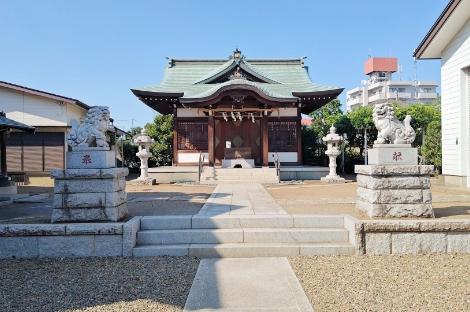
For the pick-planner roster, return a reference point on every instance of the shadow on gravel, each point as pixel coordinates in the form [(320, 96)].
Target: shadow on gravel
[(97, 284)]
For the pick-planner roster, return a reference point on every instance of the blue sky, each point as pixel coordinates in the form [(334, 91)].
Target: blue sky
[(95, 51)]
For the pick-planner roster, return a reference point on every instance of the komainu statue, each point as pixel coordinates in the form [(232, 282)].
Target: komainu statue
[(93, 129), (390, 127)]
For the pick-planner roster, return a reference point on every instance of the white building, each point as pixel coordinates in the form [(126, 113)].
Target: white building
[(380, 86), (449, 40), (36, 154)]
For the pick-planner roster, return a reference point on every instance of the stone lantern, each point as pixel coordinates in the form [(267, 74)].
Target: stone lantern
[(144, 141), (333, 141)]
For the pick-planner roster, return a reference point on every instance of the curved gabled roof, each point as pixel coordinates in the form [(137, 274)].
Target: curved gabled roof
[(190, 81)]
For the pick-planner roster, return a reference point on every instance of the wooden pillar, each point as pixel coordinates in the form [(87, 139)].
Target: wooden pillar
[(210, 139), (3, 153), (299, 135), (175, 136), (264, 140)]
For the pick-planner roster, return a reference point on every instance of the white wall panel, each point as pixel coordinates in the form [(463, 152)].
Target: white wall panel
[(283, 156), (455, 116), (192, 158)]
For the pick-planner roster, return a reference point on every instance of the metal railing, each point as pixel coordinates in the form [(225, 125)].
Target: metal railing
[(18, 177), (277, 165), (200, 166)]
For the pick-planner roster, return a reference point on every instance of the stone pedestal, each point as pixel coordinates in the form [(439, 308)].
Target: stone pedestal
[(90, 189), (89, 194), (392, 154), (394, 191)]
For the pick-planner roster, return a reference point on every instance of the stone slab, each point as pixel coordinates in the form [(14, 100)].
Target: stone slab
[(417, 225), (243, 250), (419, 243), (458, 242), (32, 229), (378, 243), (185, 236), (129, 235), (395, 210), (89, 185), (8, 190), (165, 222), (398, 182), (108, 246), (295, 235), (18, 247), (94, 229), (245, 163), (241, 221), (66, 246), (89, 214), (318, 221), (395, 196), (394, 170), (392, 155), (90, 159), (247, 284), (162, 250)]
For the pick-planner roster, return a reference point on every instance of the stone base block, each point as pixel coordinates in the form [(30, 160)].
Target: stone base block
[(245, 163), (399, 196), (329, 179), (89, 214), (392, 154), (148, 181), (89, 159), (395, 210)]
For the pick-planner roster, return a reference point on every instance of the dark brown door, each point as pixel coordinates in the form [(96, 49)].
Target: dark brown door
[(243, 133)]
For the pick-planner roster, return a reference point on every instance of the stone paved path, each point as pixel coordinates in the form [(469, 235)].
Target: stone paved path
[(240, 199), (246, 284)]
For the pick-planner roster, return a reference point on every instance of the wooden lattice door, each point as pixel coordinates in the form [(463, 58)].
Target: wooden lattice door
[(243, 133)]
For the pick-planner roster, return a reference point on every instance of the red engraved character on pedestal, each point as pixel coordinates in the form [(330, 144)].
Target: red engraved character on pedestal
[(86, 160), (397, 156)]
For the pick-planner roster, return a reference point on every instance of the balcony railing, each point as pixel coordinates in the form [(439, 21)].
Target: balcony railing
[(427, 95)]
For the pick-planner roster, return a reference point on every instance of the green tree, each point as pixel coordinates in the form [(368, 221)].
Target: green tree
[(309, 145), (324, 117), (360, 119), (432, 148), (161, 130), (128, 153)]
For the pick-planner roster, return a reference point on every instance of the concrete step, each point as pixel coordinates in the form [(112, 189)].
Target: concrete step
[(240, 221), (242, 235), (215, 182), (245, 250), (240, 178), (189, 236)]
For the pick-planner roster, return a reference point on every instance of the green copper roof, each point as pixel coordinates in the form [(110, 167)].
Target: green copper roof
[(199, 79)]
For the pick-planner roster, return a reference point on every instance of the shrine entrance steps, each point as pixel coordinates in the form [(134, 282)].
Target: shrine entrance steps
[(242, 236), (212, 175)]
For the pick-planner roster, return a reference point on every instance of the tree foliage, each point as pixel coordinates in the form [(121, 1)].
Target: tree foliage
[(324, 117), (432, 148), (161, 130), (128, 153)]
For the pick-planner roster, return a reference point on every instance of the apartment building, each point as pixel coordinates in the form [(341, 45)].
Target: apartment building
[(381, 87)]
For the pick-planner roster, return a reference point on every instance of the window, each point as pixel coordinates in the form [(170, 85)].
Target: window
[(282, 136), (192, 135), (427, 90), (401, 90), (382, 74)]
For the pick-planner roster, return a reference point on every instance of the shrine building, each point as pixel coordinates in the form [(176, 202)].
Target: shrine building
[(237, 108)]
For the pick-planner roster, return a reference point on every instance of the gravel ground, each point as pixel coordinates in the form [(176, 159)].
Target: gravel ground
[(96, 284), (437, 282)]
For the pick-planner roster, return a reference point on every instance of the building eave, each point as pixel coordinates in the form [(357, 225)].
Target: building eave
[(44, 94), (451, 20)]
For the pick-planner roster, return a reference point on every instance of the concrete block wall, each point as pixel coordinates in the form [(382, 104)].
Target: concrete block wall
[(65, 240), (416, 236)]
